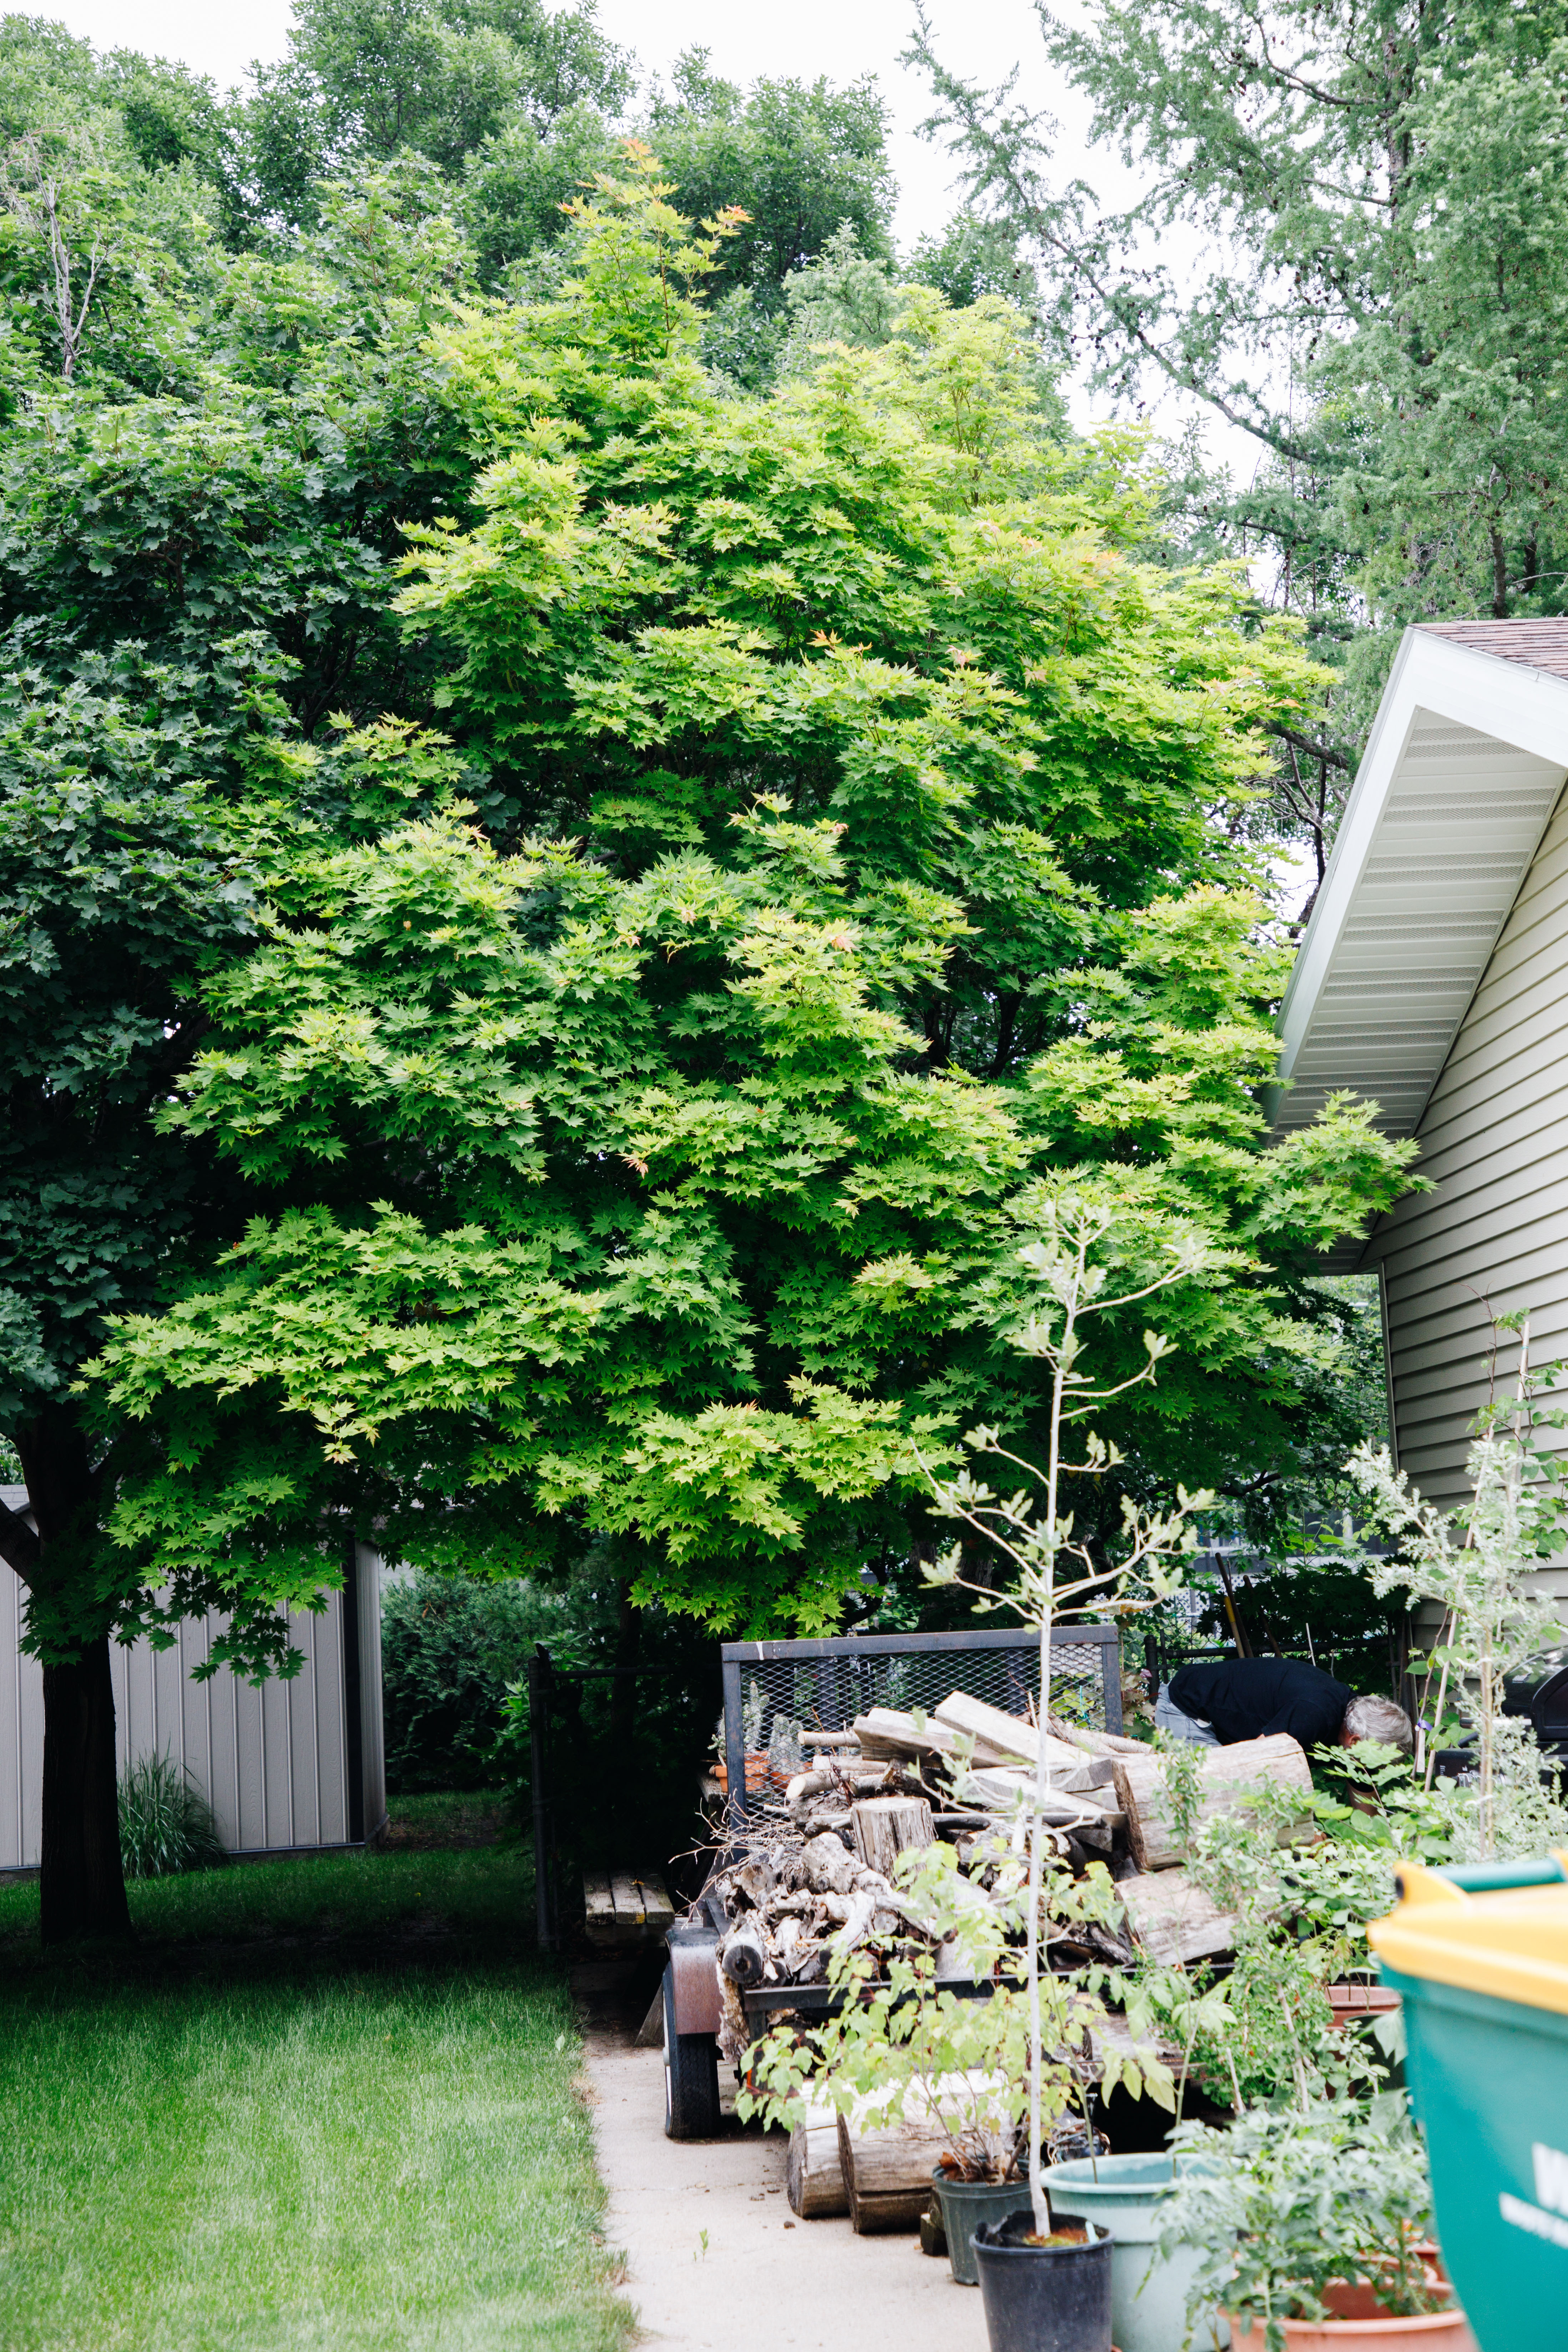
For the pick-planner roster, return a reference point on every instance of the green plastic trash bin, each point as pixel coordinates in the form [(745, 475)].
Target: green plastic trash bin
[(1481, 1958)]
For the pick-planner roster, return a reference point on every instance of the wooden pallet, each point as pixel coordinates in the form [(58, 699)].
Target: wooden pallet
[(621, 1907)]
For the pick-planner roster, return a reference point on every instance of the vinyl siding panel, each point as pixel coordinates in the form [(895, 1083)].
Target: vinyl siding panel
[(1494, 1145), (272, 1763)]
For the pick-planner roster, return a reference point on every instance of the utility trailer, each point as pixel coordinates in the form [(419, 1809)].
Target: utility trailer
[(825, 1684)]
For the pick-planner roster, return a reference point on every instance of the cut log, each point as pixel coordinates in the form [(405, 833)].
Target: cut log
[(884, 1732), (886, 1826), (744, 1954), (1002, 1738), (886, 2168), (1228, 1774), (813, 2176), (1174, 1920)]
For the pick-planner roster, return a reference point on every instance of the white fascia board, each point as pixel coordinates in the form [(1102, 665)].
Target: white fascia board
[(1525, 707)]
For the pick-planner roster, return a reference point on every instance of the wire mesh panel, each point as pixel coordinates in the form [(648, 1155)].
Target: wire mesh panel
[(824, 1685)]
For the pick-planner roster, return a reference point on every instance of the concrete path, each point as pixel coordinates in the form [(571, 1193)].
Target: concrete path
[(716, 2257)]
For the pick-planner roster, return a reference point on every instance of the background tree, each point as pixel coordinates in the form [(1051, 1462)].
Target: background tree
[(694, 1204), (1382, 308)]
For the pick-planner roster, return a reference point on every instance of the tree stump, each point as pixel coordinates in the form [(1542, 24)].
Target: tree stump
[(884, 1827)]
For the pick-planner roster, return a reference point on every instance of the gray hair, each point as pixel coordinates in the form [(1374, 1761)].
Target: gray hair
[(1381, 1719)]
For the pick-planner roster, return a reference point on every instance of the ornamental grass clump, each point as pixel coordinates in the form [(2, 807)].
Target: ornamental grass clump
[(166, 1823)]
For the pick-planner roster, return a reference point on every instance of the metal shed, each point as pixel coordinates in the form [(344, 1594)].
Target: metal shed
[(1434, 978), (284, 1765)]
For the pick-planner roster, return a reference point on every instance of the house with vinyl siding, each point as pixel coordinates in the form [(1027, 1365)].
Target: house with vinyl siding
[(1433, 979)]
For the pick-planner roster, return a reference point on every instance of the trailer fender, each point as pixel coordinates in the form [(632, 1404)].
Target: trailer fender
[(694, 1978)]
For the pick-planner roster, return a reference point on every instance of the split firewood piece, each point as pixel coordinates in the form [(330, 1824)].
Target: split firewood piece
[(884, 1732), (1174, 1920), (1228, 1774), (1000, 1789), (1002, 1738), (813, 2176), (885, 1827), (827, 1865), (1092, 1742), (736, 2034)]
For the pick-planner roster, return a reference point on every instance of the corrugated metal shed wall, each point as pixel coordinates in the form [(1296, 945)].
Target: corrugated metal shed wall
[(1494, 1142), (282, 1765)]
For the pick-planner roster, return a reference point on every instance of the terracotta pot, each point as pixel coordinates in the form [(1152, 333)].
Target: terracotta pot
[(1350, 2002), (1361, 2324), (758, 1774)]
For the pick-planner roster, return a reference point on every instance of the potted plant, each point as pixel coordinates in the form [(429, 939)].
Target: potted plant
[(1311, 2227), (908, 2048)]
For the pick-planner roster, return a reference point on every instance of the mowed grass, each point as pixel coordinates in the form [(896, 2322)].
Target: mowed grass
[(329, 2103)]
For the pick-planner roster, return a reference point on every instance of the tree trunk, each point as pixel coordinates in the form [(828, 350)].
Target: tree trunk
[(83, 1888), (83, 1879)]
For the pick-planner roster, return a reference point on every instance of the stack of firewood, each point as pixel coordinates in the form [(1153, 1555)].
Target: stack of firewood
[(816, 1871)]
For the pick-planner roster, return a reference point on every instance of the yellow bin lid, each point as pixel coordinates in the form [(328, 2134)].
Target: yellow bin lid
[(1510, 1942)]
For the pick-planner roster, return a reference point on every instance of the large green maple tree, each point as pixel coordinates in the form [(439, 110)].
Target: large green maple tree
[(656, 1179), (640, 1150)]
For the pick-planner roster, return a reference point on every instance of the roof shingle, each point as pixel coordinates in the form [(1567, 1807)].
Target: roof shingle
[(1538, 645)]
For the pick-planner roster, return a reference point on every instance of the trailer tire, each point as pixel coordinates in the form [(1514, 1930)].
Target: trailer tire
[(690, 2077)]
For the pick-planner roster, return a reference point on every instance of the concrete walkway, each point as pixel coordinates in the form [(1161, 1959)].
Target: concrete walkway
[(716, 2257)]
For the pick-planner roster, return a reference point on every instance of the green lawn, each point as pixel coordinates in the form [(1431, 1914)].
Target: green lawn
[(326, 2104)]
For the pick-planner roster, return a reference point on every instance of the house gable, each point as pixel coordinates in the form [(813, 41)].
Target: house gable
[(1434, 978)]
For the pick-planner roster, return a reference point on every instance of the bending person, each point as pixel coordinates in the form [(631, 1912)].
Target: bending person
[(1232, 1699)]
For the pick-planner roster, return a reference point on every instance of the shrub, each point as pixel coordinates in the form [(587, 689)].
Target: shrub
[(449, 1645), (166, 1823)]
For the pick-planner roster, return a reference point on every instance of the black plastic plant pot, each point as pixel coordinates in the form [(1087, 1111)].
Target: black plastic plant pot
[(1043, 2298)]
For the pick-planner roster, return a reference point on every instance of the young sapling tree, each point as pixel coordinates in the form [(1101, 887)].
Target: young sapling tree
[(1091, 1259), (1477, 1561)]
